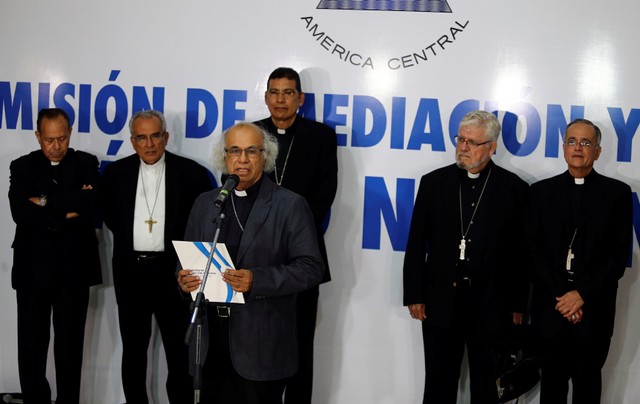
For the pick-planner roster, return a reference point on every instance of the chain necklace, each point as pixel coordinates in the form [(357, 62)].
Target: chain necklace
[(570, 256), (235, 212), (151, 222), (284, 167), (463, 241)]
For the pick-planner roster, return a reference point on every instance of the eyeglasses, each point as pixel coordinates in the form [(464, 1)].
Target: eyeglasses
[(288, 93), (469, 142), (583, 143), (155, 137), (251, 152)]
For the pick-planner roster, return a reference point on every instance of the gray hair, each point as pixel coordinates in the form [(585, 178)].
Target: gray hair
[(150, 113), (485, 120), (269, 144), (586, 122)]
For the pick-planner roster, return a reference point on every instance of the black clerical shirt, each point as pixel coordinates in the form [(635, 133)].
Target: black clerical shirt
[(472, 198), (237, 211)]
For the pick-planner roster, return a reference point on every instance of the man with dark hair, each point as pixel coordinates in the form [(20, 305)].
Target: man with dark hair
[(307, 164), (53, 202), (464, 272), (147, 199), (580, 233)]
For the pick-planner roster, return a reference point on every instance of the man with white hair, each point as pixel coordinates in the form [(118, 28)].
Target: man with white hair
[(271, 239), (463, 268), (147, 199)]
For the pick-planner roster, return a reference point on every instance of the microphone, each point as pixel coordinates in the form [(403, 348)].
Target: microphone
[(229, 185)]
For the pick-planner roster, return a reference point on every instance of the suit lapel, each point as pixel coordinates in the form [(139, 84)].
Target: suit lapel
[(129, 188), (257, 218), (594, 192), (172, 183), (561, 209), (299, 148)]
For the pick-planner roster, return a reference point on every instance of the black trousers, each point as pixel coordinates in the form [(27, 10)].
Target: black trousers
[(444, 351), (300, 386), (578, 354), (157, 296), (69, 307), (221, 384)]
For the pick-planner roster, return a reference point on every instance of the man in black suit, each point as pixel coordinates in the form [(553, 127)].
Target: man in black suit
[(580, 231), (147, 199), (471, 285), (270, 236), (307, 164), (55, 256)]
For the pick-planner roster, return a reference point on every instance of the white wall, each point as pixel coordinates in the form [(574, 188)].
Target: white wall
[(518, 57)]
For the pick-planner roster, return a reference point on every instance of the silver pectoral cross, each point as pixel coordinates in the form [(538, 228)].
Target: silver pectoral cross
[(150, 222), (570, 256), (462, 247)]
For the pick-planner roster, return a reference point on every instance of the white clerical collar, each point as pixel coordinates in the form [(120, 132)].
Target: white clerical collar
[(282, 131), (55, 163), (240, 193), (473, 176), (579, 181)]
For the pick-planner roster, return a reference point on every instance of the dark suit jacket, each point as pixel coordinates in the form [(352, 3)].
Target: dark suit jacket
[(279, 245), (312, 170), (607, 220), (499, 285), (48, 248), (185, 180)]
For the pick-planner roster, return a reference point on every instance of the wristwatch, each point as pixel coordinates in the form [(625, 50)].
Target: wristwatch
[(43, 200)]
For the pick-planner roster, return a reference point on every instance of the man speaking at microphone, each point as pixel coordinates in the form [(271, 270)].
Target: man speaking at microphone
[(147, 199), (229, 185), (270, 235)]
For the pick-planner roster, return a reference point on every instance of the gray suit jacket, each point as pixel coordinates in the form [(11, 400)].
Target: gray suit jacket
[(279, 245)]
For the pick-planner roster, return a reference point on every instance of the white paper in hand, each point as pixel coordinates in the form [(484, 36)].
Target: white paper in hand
[(194, 255)]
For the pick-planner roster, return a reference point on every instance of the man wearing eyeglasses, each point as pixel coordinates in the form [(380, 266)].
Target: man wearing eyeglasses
[(269, 233), (307, 164), (580, 233), (147, 200), (464, 276), (53, 198)]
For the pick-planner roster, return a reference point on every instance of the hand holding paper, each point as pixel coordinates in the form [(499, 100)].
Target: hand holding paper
[(193, 256), (187, 281), (240, 280)]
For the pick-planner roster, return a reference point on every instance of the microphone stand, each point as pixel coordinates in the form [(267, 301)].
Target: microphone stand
[(200, 308)]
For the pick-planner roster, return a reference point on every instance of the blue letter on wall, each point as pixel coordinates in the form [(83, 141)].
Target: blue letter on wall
[(377, 206), (193, 128), (21, 103)]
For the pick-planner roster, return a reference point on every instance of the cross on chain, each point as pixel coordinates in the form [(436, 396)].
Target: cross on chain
[(150, 222), (462, 247), (570, 256)]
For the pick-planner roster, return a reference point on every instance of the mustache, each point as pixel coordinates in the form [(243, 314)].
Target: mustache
[(471, 165)]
